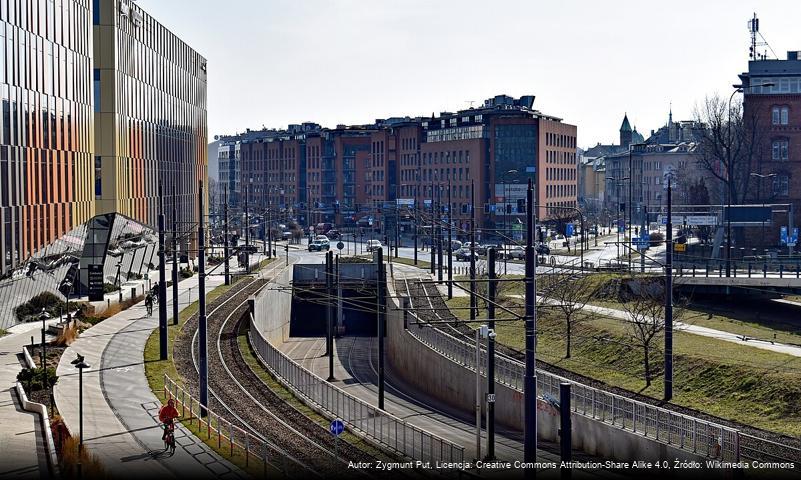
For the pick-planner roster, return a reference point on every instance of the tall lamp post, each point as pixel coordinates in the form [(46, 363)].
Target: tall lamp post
[(81, 365), (730, 170)]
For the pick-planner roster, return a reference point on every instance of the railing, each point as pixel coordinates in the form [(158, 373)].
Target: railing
[(685, 432), (741, 269), (388, 430), (229, 436)]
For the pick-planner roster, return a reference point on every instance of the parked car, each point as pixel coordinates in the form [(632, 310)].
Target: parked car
[(373, 245), (319, 245), (286, 235), (321, 237), (333, 234), (543, 249), (514, 252), (482, 249), (463, 255), (455, 245)]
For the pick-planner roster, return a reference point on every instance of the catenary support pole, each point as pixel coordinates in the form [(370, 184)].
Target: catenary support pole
[(565, 429), (492, 293), (669, 296), (175, 307), (330, 307), (202, 333), (162, 282), (450, 244), (381, 326), (226, 251), (473, 303), (530, 380)]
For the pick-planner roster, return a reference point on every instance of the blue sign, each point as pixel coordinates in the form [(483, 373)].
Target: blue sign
[(531, 169), (785, 238), (569, 229), (337, 427), (794, 238), (621, 226), (783, 234)]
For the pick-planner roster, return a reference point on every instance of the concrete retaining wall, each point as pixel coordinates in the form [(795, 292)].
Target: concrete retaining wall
[(455, 385), (272, 308), (41, 411)]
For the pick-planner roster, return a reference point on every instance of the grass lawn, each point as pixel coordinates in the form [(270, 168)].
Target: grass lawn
[(732, 381)]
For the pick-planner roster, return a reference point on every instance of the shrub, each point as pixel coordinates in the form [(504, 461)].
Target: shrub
[(657, 238), (110, 287), (186, 273), (33, 307), (35, 377)]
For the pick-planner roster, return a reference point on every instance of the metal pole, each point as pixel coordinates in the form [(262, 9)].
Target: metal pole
[(642, 235), (414, 219), (492, 292), (478, 392), (225, 244), (669, 298), (439, 234), (381, 320), (433, 220), (44, 360), (80, 411), (329, 311), (530, 383), (450, 244), (565, 428), (174, 257), (202, 340), (247, 230), (729, 175), (162, 282), (270, 231), (473, 303), (631, 191)]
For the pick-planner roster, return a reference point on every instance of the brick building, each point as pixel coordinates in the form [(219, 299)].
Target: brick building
[(776, 111)]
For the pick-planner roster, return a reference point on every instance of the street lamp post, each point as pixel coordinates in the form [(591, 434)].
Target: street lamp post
[(81, 365)]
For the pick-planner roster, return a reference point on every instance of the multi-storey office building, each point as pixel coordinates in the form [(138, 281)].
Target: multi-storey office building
[(46, 162), (150, 114)]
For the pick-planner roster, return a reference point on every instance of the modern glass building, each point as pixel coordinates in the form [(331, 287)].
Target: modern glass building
[(150, 116), (45, 126)]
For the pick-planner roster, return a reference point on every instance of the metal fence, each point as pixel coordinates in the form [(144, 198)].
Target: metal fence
[(681, 431), (390, 431), (236, 441)]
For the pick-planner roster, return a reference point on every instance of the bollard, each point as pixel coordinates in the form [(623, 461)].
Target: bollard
[(693, 270), (749, 269), (565, 428), (781, 270), (764, 270)]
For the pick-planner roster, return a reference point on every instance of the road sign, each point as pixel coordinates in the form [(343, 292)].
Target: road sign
[(337, 427), (709, 220), (490, 398), (569, 229), (679, 247), (783, 234), (95, 282), (340, 245)]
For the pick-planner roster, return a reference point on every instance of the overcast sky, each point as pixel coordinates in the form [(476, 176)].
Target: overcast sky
[(275, 62)]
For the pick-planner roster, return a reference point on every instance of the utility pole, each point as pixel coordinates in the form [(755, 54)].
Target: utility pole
[(174, 256), (202, 339), (226, 253), (269, 230), (162, 282), (631, 192), (381, 318), (530, 380), (247, 230), (329, 312), (669, 296), (450, 244), (439, 235), (433, 221), (414, 220), (492, 293), (473, 303)]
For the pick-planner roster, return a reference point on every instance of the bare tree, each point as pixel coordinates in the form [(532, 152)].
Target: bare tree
[(571, 292), (645, 322), (731, 145)]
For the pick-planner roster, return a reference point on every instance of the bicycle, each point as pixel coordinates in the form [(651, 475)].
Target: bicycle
[(169, 437), (149, 307)]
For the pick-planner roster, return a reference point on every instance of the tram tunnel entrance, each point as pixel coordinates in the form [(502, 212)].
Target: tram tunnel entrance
[(352, 298)]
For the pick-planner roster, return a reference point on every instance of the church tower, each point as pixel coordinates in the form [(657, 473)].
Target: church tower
[(625, 132)]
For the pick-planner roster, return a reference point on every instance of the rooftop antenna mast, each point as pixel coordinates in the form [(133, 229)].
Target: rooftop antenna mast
[(753, 28)]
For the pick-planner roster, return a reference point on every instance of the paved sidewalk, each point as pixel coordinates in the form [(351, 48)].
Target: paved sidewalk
[(120, 411), (21, 436)]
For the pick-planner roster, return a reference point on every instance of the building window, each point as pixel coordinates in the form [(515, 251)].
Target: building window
[(780, 150), (781, 185), (97, 89), (780, 115), (98, 177)]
